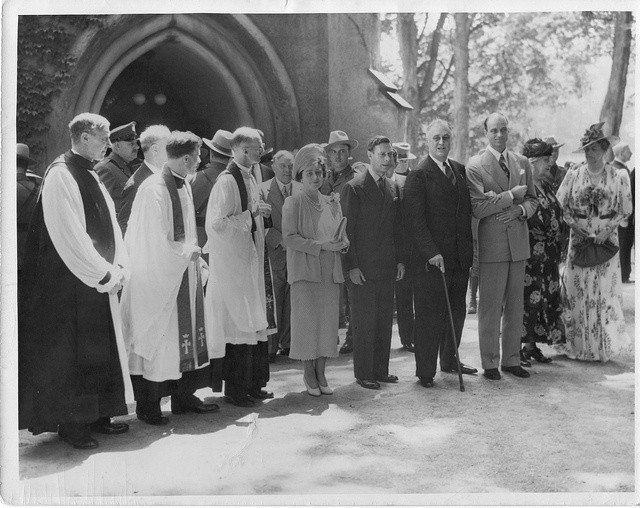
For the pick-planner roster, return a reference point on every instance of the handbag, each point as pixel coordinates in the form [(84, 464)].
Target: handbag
[(589, 253)]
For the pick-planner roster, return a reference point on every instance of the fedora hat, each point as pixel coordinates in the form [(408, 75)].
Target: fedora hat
[(340, 138), (267, 156), (220, 143), (124, 133), (22, 152), (551, 140), (594, 134), (404, 151)]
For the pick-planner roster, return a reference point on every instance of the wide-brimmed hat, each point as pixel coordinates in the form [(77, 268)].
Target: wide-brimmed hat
[(220, 142), (22, 151), (267, 156), (124, 133), (340, 138), (552, 141), (404, 151), (594, 134), (537, 148)]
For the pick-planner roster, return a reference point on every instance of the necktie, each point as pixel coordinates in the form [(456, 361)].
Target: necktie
[(449, 173), (503, 165), (381, 185), (179, 182), (285, 191)]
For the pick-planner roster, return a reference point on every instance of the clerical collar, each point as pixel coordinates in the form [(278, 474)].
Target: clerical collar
[(246, 170), (88, 164), (373, 175), (178, 178), (154, 169), (497, 154), (440, 163)]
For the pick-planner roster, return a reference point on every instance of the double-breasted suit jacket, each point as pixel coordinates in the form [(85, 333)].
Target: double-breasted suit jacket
[(114, 173), (502, 249), (438, 218), (375, 232)]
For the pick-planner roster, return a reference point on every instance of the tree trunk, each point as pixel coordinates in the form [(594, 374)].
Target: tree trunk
[(614, 100), (461, 88), (408, 41)]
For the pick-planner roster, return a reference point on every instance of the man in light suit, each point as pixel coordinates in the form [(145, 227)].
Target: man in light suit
[(274, 192), (503, 197), (438, 216), (370, 202), (153, 141)]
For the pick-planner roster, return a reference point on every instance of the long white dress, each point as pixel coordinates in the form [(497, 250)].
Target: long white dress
[(594, 321), (149, 301), (235, 300)]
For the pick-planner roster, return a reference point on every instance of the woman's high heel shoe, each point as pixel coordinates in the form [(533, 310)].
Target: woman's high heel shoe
[(537, 355), (326, 390), (524, 361), (315, 392)]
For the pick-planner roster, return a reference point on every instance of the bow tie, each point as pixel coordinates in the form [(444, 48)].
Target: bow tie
[(179, 182)]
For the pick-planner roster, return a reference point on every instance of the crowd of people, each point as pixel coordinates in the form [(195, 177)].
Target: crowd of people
[(197, 266)]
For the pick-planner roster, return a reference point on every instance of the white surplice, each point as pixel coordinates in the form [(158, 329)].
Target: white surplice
[(149, 301), (235, 300), (63, 212)]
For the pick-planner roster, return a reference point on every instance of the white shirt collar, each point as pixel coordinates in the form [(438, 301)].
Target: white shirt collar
[(440, 163), (282, 186), (497, 154), (373, 175), (245, 169)]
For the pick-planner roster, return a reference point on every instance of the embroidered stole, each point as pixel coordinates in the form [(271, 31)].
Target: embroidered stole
[(192, 343)]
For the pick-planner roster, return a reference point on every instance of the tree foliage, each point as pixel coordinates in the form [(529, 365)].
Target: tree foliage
[(517, 62)]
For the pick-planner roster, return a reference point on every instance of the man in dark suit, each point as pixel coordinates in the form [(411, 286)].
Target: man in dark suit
[(153, 142), (503, 197), (370, 202), (115, 169), (437, 211), (622, 154), (219, 156), (274, 192)]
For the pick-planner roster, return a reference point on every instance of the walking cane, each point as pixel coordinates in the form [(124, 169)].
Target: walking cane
[(453, 330)]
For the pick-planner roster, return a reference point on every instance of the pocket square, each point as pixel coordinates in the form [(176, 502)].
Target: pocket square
[(521, 172)]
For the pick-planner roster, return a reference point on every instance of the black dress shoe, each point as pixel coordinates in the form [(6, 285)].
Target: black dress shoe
[(368, 383), (516, 370), (240, 401), (199, 409), (260, 394), (283, 351), (106, 426), (492, 374), (465, 369), (153, 419), (389, 378), (409, 347), (427, 382), (346, 349), (82, 443), (537, 355)]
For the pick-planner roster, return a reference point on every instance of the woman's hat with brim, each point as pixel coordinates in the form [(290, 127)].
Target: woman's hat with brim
[(340, 138), (594, 134), (404, 151), (220, 143), (22, 152), (308, 156), (552, 141), (535, 147)]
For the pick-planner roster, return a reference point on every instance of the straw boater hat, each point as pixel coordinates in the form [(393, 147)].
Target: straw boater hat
[(594, 134), (552, 141), (22, 152), (404, 151), (220, 142), (340, 138), (124, 133)]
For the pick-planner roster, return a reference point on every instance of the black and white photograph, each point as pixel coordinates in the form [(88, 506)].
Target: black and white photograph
[(318, 253)]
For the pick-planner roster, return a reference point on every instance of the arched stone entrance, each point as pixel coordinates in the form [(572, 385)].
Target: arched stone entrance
[(214, 71)]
